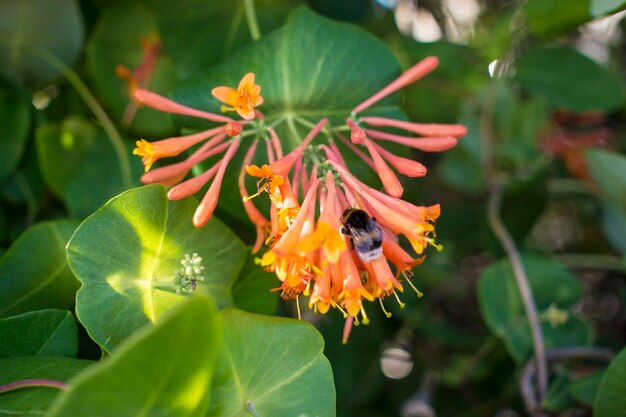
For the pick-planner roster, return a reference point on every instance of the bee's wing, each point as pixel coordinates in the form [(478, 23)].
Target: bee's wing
[(388, 233), (364, 240)]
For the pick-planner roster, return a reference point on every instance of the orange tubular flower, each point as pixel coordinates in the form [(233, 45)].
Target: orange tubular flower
[(336, 260), (259, 221), (139, 77), (151, 152), (244, 99)]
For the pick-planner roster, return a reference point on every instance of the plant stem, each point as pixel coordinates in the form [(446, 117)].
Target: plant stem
[(582, 352), (253, 24), (521, 278), (94, 106), (26, 383), (487, 135), (586, 261)]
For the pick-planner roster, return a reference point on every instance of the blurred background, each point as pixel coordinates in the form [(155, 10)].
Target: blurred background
[(538, 83)]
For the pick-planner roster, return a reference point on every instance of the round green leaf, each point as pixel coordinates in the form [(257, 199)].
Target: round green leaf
[(163, 370), (34, 273), (43, 332), (553, 287), (14, 128), (312, 67), (610, 400), (126, 253), (275, 365), (55, 26), (67, 152), (117, 40), (198, 36), (580, 84)]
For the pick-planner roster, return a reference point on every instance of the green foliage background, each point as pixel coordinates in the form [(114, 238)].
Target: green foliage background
[(87, 255)]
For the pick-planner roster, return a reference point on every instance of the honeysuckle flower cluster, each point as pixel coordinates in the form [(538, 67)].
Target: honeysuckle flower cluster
[(310, 188)]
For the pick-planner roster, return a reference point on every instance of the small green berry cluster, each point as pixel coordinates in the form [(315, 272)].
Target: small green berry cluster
[(188, 274)]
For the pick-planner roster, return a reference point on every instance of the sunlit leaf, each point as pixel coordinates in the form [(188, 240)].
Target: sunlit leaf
[(34, 273), (272, 364), (43, 332), (126, 253), (163, 370)]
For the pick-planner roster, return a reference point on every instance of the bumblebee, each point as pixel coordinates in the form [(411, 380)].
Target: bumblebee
[(364, 233)]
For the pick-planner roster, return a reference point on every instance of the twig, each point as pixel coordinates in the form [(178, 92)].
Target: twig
[(521, 278), (27, 383), (531, 402)]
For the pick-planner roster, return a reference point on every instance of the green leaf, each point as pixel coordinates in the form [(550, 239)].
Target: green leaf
[(163, 370), (197, 35), (252, 291), (312, 66), (608, 170), (610, 400), (126, 253), (121, 36), (585, 389), (34, 273), (555, 291), (51, 25), (558, 396), (613, 223), (580, 84), (67, 153), (274, 364), (600, 7), (14, 128), (43, 332), (553, 18), (33, 402)]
